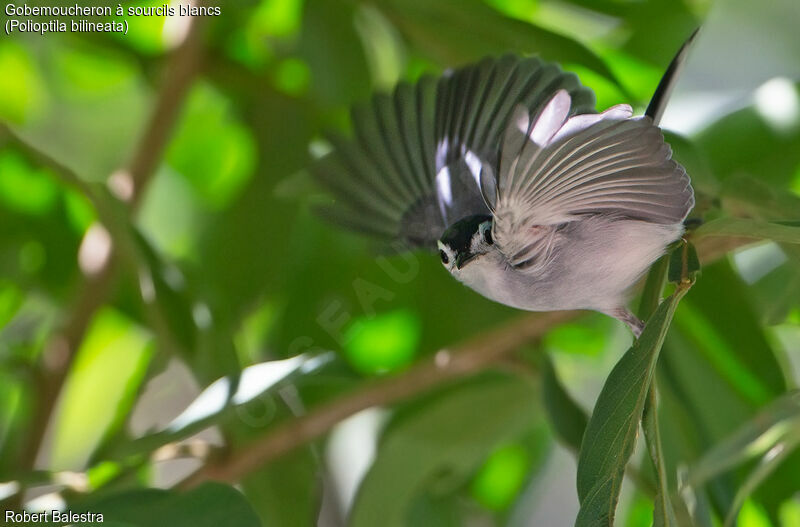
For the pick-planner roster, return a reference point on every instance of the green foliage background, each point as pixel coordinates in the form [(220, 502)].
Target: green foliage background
[(187, 156)]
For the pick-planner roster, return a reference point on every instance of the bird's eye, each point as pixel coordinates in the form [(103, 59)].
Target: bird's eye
[(487, 236), (443, 255)]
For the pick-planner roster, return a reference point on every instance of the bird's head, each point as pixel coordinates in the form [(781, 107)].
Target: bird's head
[(465, 241)]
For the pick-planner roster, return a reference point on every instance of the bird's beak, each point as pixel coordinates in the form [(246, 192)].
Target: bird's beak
[(464, 259)]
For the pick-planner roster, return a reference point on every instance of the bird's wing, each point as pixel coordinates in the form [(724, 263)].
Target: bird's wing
[(555, 169), (414, 163)]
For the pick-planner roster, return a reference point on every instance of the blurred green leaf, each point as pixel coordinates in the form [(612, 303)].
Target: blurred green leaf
[(22, 90), (334, 52), (292, 479), (717, 347), (167, 298), (750, 229), (292, 77), (568, 419), (742, 143), (441, 440), (210, 505), (24, 188), (456, 31), (753, 516), (589, 337), (384, 49), (790, 513), (12, 400), (80, 212), (384, 343), (640, 512), (146, 34), (91, 72), (719, 319), (441, 511), (754, 438), (501, 477), (100, 388), (10, 301), (211, 148), (768, 464), (612, 429), (278, 18)]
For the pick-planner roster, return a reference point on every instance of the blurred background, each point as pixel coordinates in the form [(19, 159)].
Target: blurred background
[(171, 312)]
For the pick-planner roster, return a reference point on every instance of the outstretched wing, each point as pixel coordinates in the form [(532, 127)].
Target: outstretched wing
[(413, 165), (555, 169)]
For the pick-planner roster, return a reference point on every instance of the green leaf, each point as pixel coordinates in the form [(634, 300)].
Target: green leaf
[(750, 229), (754, 438), (458, 31), (569, 419), (383, 343), (210, 505), (501, 477), (611, 433), (99, 391), (23, 92), (292, 478), (334, 52), (768, 464), (211, 148), (720, 322), (438, 444)]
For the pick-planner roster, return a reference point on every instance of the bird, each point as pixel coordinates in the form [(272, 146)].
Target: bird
[(530, 196)]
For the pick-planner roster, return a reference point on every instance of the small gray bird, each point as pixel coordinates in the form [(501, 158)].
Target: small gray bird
[(531, 198)]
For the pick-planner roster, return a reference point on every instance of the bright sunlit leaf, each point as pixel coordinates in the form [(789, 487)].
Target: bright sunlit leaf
[(24, 188), (753, 515), (789, 513), (145, 33), (501, 477), (587, 338), (292, 76), (80, 212), (211, 148), (22, 91), (108, 369), (640, 513), (277, 18), (383, 344)]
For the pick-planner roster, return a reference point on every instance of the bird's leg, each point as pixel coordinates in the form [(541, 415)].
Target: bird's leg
[(628, 318)]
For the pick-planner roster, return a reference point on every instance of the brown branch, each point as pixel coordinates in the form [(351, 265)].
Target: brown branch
[(61, 348), (445, 366)]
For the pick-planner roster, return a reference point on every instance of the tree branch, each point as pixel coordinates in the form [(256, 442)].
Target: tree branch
[(445, 366)]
